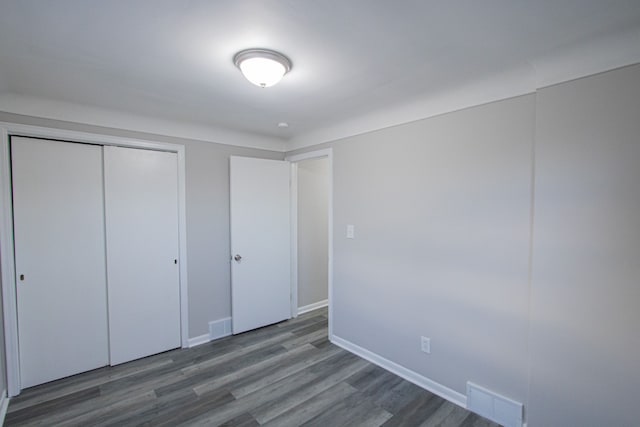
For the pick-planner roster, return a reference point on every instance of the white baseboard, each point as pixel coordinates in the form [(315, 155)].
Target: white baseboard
[(4, 405), (217, 329), (314, 306), (201, 339), (409, 375)]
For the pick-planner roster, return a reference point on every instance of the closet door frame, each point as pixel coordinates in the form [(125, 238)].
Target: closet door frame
[(7, 254)]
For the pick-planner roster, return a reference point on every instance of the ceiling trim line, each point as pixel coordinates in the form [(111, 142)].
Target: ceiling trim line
[(617, 50), (92, 116)]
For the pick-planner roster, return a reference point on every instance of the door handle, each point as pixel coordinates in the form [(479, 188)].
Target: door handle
[(237, 257)]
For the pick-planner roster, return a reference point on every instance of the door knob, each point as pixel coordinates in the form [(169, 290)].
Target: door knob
[(237, 257)]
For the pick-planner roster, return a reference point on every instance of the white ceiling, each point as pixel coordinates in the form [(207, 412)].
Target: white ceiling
[(357, 64)]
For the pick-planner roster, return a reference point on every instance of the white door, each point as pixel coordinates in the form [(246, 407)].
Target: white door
[(141, 206), (260, 242), (60, 258)]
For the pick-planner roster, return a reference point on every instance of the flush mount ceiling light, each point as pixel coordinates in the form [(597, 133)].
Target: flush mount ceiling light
[(262, 67)]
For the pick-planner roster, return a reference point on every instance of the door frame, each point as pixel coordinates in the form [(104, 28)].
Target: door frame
[(294, 159), (7, 253)]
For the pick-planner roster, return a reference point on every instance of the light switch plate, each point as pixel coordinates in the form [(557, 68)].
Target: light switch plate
[(351, 232), (425, 344)]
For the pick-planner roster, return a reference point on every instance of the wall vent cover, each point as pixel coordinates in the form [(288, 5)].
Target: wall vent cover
[(504, 411)]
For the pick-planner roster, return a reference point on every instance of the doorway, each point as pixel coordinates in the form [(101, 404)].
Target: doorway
[(312, 240)]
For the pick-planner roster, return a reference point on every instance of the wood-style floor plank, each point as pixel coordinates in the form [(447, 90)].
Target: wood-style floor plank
[(282, 375), (322, 402)]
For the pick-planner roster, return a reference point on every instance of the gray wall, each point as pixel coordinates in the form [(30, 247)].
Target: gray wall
[(313, 198), (585, 309), (207, 198), (3, 361), (208, 247), (448, 227), (441, 209)]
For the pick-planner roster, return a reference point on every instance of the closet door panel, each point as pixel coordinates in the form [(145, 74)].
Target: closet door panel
[(60, 258), (141, 205)]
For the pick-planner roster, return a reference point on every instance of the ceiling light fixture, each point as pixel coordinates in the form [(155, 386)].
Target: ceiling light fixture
[(262, 67)]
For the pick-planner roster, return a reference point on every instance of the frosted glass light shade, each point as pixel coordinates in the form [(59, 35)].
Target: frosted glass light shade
[(262, 67), (262, 71)]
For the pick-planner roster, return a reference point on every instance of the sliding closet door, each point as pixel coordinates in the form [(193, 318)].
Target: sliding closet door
[(60, 258), (141, 199)]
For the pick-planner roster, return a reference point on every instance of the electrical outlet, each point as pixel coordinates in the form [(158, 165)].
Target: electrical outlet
[(425, 345)]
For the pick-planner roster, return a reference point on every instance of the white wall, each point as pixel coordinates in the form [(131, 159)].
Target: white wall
[(313, 232), (585, 309)]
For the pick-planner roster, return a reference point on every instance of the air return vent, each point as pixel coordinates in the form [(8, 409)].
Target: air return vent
[(490, 405)]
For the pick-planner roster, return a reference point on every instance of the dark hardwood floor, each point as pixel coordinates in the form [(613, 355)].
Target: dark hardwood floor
[(287, 374)]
